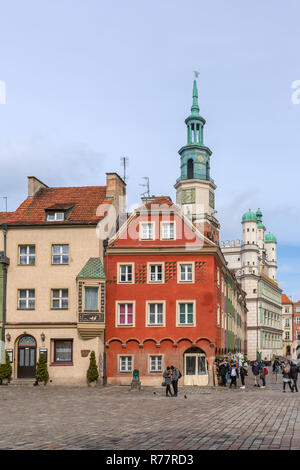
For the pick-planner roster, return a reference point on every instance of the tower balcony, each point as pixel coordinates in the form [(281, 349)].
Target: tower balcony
[(202, 179)]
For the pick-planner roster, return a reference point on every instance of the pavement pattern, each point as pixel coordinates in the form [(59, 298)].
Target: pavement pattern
[(115, 418)]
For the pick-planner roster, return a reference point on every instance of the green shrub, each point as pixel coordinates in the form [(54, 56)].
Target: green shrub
[(5, 369), (41, 373), (92, 372)]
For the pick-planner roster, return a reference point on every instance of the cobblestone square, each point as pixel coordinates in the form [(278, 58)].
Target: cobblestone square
[(115, 418)]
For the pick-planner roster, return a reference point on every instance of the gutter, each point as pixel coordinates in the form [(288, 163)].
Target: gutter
[(5, 261)]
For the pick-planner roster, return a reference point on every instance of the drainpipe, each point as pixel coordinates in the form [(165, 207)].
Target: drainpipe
[(5, 262), (105, 243)]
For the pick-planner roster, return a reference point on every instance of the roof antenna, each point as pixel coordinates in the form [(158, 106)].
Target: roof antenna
[(146, 185), (5, 197), (124, 164)]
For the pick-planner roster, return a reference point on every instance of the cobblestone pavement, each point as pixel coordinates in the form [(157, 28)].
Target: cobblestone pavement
[(117, 418)]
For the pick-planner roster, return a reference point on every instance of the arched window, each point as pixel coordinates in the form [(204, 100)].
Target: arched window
[(190, 169), (207, 170)]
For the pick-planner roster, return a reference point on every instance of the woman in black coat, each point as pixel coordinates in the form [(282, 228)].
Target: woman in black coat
[(294, 376)]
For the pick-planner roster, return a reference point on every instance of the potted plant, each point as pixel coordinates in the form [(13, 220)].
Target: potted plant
[(92, 372), (5, 371), (41, 373)]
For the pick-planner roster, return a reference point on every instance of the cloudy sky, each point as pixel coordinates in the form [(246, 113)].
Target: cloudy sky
[(89, 81)]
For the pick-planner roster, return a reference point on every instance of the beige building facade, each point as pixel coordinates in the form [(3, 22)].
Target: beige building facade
[(55, 296)]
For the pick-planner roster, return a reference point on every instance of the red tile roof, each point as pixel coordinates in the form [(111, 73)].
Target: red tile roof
[(4, 217), (285, 299), (84, 200)]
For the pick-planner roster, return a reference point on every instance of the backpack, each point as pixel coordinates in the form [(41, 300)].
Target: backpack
[(266, 371), (179, 374)]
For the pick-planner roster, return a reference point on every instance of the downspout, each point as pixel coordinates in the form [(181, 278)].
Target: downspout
[(5, 263), (105, 243)]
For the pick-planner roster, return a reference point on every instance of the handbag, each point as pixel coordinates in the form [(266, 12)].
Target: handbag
[(163, 384)]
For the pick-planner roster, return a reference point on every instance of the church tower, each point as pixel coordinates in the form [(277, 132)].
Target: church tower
[(195, 190)]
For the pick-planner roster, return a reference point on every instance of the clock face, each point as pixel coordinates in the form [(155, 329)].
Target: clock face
[(188, 196)]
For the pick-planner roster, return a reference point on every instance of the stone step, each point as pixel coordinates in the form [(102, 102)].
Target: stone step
[(22, 382)]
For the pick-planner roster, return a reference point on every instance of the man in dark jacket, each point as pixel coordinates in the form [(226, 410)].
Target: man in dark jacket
[(223, 369), (175, 377), (255, 372), (294, 376)]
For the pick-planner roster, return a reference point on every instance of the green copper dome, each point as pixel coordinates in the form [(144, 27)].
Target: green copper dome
[(249, 216), (258, 213), (260, 224), (270, 238)]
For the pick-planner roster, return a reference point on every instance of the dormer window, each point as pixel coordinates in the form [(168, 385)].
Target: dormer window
[(55, 216)]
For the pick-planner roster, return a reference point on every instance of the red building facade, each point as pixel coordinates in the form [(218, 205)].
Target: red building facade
[(164, 298)]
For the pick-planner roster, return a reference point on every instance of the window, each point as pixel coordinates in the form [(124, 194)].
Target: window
[(63, 350), (186, 313), (287, 322), (27, 255), (297, 320), (297, 309), (55, 216), (125, 273), (91, 302), (155, 313), (125, 314), (168, 230), (147, 231), (60, 254), (186, 273), (287, 309), (287, 335), (125, 364), (59, 298), (26, 299), (155, 364), (156, 273), (218, 315)]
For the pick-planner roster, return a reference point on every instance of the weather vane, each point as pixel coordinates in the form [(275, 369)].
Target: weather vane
[(196, 73)]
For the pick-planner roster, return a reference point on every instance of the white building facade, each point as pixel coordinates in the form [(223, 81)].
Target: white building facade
[(253, 260)]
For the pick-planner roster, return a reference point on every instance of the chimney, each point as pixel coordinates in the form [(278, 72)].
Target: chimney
[(116, 191), (34, 185)]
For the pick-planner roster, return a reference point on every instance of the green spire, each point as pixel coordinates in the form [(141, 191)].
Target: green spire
[(195, 107)]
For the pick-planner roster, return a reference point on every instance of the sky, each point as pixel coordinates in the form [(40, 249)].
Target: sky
[(89, 81)]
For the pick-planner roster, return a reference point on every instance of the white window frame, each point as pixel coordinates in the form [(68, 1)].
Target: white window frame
[(186, 281), (184, 301), (298, 320), (156, 368), (126, 357), (60, 254), (122, 265), (287, 335), (27, 299), (162, 233), (155, 302), (55, 216), (60, 299), (162, 264), (27, 255), (141, 231), (125, 325), (87, 286)]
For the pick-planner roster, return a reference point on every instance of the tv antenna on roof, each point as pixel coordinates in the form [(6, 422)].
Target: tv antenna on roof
[(5, 197), (146, 185), (124, 163)]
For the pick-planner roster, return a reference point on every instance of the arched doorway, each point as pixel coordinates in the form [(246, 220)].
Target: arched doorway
[(26, 357), (195, 367)]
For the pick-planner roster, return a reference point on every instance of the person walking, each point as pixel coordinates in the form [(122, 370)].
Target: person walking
[(243, 374), (294, 376), (175, 377), (286, 372), (234, 373), (255, 372), (276, 365), (167, 380), (262, 374), (223, 369)]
